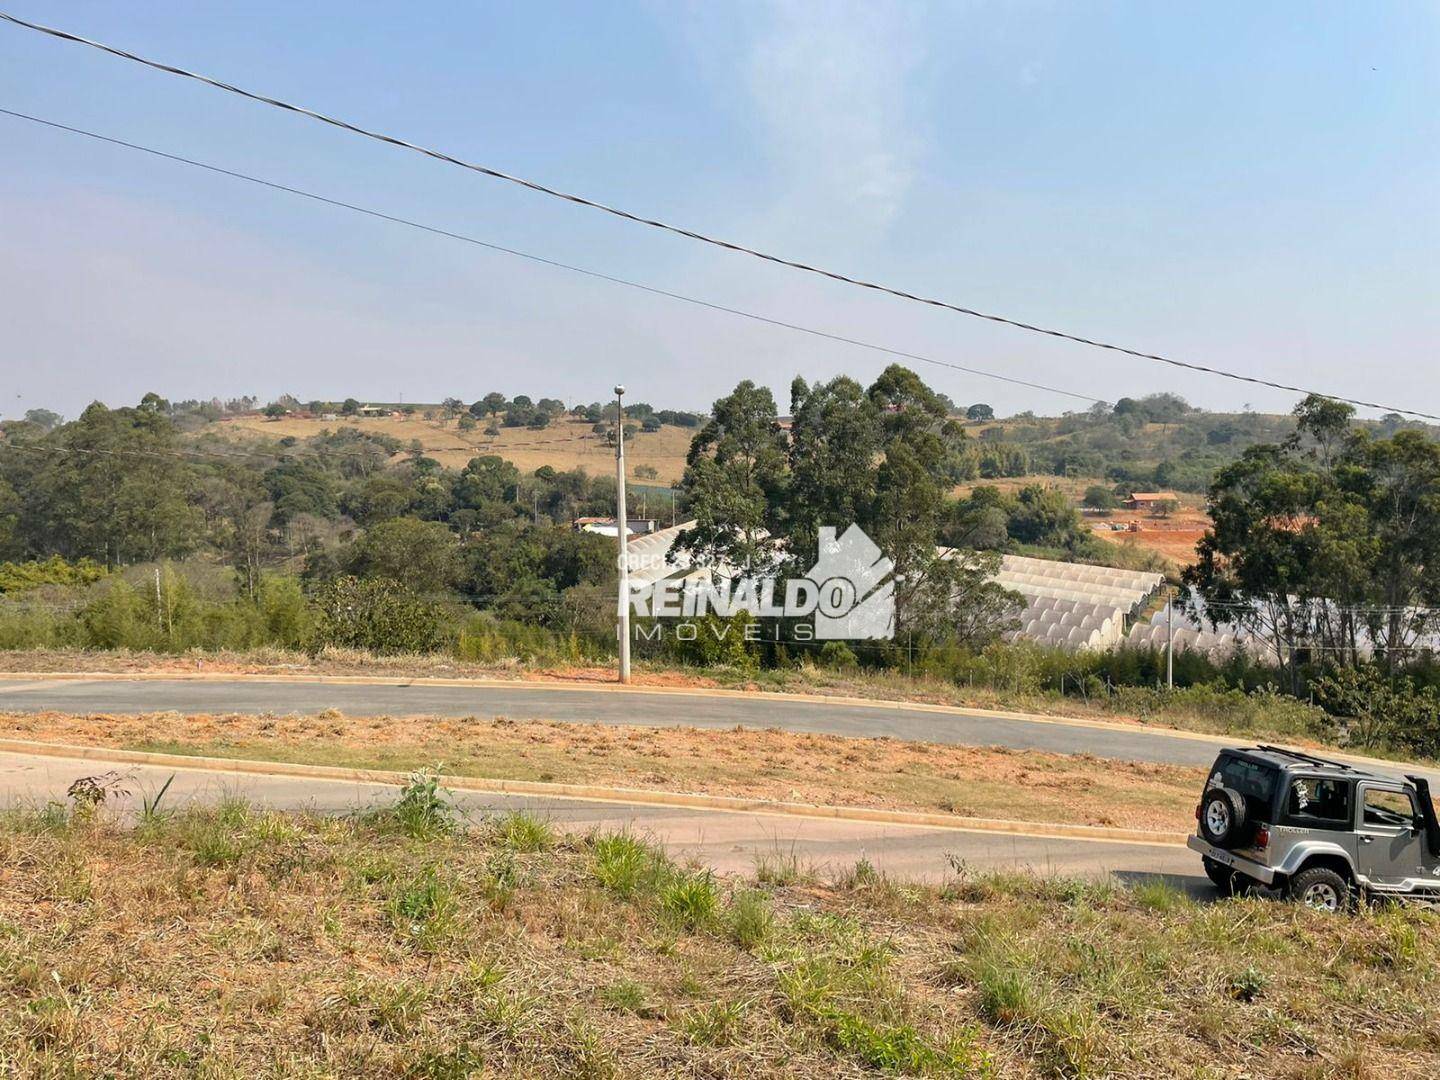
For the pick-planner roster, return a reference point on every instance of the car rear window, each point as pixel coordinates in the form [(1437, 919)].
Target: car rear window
[(1249, 778)]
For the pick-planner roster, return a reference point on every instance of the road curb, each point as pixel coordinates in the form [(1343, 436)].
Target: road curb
[(593, 793)]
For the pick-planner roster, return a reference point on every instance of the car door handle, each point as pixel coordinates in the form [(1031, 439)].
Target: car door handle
[(1367, 839)]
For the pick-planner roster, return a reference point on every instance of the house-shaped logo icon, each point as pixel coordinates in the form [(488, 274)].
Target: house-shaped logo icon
[(856, 587)]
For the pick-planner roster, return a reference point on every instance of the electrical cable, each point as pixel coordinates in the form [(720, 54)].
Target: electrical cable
[(691, 234), (542, 260)]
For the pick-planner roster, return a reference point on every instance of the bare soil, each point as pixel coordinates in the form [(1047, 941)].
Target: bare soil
[(993, 782)]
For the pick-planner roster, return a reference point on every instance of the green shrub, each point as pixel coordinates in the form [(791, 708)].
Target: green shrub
[(378, 615), (17, 577), (837, 654), (485, 639), (716, 642), (423, 809), (289, 620)]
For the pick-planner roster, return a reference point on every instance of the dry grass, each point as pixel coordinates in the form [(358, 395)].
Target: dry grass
[(330, 661), (227, 942), (789, 766), (565, 444)]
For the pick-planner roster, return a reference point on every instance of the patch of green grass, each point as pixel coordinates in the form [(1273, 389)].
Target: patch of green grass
[(216, 837), (625, 864), (691, 898), (716, 1024), (585, 1053), (751, 918), (53, 817), (896, 1048), (779, 869), (627, 996), (369, 868), (862, 876), (424, 909), (455, 1063), (502, 877), (393, 1009), (1008, 995), (520, 831), (506, 1015), (1013, 996), (1158, 895)]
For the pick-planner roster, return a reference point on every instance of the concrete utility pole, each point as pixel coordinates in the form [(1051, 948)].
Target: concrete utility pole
[(622, 530), (1169, 638)]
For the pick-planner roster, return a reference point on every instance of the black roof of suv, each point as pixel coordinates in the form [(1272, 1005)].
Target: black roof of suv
[(1280, 757)]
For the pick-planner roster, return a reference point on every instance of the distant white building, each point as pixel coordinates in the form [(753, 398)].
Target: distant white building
[(606, 526)]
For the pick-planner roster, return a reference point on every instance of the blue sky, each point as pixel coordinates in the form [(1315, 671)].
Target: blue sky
[(1248, 186)]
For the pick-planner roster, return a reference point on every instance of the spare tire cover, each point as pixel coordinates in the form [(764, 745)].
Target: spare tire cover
[(1222, 817)]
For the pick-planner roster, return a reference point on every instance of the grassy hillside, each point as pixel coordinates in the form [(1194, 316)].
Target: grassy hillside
[(232, 942), (566, 443)]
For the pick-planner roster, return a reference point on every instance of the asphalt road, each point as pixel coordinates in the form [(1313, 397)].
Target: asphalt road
[(727, 842), (648, 708)]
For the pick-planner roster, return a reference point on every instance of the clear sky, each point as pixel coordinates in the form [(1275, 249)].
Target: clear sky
[(1251, 186)]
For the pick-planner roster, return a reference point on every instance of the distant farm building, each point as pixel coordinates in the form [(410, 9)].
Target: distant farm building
[(1151, 500)]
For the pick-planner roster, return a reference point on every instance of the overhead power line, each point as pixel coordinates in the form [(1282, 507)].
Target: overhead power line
[(598, 275), (691, 234)]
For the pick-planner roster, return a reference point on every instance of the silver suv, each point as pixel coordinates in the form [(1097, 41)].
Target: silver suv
[(1319, 831)]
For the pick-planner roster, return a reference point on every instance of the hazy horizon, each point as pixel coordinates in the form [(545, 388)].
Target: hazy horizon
[(1246, 188)]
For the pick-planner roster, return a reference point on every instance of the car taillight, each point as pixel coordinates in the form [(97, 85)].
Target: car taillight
[(1197, 811), (1262, 837)]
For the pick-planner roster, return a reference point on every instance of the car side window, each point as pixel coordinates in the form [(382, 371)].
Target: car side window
[(1389, 808), (1318, 801)]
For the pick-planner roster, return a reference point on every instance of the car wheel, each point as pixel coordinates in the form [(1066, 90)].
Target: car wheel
[(1220, 874), (1320, 888), (1222, 817)]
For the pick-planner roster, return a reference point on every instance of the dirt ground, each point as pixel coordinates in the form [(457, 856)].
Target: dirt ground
[(793, 767), (565, 444), (1173, 537)]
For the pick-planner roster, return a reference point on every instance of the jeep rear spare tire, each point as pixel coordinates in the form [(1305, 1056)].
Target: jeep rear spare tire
[(1222, 817)]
